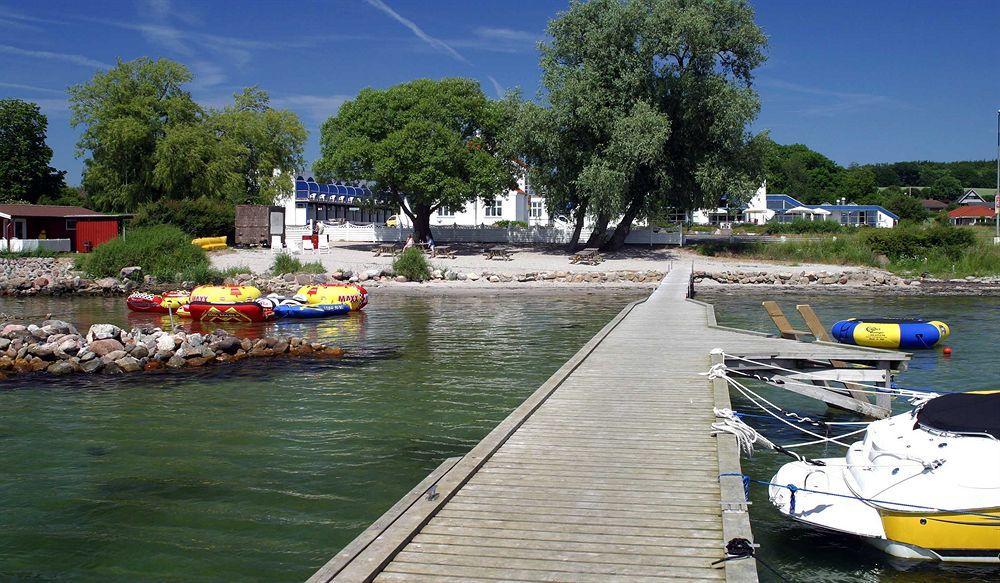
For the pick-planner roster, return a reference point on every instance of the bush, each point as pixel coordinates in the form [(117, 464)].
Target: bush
[(285, 263), (200, 217), (504, 224), (916, 242), (803, 226), (163, 251), (412, 264)]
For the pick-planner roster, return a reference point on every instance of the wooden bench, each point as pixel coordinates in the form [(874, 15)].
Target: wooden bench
[(588, 256), (499, 253), (443, 251), (386, 249)]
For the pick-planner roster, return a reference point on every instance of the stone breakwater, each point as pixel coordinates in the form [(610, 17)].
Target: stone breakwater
[(56, 347), (29, 276), (852, 279), (290, 282)]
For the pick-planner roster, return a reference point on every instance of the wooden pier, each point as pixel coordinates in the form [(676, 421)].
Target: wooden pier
[(608, 472)]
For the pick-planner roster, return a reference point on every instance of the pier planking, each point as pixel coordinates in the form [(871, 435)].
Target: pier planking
[(608, 472)]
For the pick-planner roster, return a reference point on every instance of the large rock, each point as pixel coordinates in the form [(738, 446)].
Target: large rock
[(139, 351), (129, 364), (107, 283), (134, 272), (165, 343), (104, 347), (11, 329), (103, 331), (304, 279), (90, 365), (60, 367)]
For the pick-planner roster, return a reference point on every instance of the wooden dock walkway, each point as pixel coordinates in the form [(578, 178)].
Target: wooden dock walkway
[(608, 472)]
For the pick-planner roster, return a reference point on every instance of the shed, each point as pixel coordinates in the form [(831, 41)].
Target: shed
[(55, 227)]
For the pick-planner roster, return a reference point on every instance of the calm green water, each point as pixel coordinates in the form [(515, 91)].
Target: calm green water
[(798, 552), (263, 471)]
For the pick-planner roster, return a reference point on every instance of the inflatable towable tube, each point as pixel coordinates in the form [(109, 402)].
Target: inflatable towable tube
[(351, 294), (296, 310), (157, 303), (890, 332), (224, 294), (260, 310)]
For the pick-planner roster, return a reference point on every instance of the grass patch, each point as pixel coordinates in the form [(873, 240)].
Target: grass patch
[(163, 251), (285, 263), (413, 265)]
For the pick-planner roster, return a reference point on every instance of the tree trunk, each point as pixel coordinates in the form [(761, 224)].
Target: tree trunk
[(600, 229), (581, 216), (421, 223), (617, 240)]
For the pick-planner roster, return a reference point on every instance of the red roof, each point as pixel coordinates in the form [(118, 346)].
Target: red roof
[(971, 211), (46, 210)]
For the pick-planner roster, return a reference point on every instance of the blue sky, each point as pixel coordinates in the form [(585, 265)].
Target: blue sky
[(858, 81)]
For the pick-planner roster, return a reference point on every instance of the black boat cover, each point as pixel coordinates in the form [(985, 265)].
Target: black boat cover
[(962, 413)]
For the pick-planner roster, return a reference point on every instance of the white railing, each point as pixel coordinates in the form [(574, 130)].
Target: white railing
[(26, 245), (488, 234)]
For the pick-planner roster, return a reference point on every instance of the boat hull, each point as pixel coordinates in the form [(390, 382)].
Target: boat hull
[(831, 505), (311, 310), (906, 334)]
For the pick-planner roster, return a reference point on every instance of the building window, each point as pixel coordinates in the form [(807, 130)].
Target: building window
[(535, 209), (446, 212), (70, 224), (494, 209)]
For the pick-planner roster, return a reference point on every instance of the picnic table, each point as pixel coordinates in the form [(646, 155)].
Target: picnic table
[(385, 249), (588, 256), (443, 251), (499, 253)]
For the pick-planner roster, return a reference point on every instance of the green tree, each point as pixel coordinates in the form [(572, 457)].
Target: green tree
[(797, 170), (126, 112), (907, 207), (858, 184), (657, 96), (428, 144), (25, 174), (946, 188), (269, 139)]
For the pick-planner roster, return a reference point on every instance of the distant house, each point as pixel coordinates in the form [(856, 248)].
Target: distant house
[(933, 206), (978, 196), (26, 227), (314, 201), (971, 214), (785, 209)]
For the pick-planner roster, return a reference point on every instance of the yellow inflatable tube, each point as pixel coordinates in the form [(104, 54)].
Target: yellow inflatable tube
[(354, 295), (224, 294), (202, 241)]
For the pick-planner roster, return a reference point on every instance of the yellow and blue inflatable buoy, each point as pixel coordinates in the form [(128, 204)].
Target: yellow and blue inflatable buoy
[(890, 332)]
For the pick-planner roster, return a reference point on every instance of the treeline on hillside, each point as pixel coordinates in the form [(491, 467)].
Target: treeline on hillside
[(813, 178)]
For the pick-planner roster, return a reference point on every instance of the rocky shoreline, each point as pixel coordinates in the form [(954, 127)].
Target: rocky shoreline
[(848, 281), (57, 347)]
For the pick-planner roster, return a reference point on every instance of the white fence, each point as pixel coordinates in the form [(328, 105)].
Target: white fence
[(26, 245), (485, 234)]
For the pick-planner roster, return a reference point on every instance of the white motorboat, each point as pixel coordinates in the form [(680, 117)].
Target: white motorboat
[(921, 485)]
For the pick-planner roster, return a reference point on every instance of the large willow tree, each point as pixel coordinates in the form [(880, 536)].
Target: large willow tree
[(648, 103)]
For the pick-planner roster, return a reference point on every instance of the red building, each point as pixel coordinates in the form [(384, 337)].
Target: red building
[(971, 215), (84, 228)]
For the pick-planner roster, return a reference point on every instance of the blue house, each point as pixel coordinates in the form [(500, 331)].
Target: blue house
[(783, 208)]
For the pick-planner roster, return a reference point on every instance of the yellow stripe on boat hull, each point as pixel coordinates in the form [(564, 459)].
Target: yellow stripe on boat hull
[(944, 531)]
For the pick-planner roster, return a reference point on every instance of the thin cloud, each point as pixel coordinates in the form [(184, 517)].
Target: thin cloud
[(435, 43), (316, 107), (23, 87), (496, 85), (833, 102), (52, 56)]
